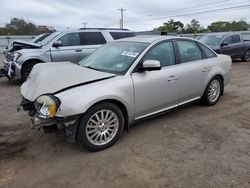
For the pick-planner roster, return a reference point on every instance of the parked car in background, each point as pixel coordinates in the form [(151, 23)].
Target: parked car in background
[(60, 46), (232, 44), (122, 82)]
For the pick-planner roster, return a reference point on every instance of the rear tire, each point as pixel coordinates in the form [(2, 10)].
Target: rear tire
[(100, 127), (246, 58), (26, 70), (213, 92)]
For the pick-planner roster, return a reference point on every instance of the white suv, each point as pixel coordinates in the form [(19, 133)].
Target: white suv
[(60, 46)]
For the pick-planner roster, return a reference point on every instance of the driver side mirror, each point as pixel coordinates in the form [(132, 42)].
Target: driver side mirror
[(150, 65), (57, 44), (224, 44)]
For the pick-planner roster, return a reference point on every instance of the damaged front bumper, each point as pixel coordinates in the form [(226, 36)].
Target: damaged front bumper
[(9, 70), (68, 123)]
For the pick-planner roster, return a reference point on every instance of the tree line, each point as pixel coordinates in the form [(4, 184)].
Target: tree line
[(20, 27), (195, 27)]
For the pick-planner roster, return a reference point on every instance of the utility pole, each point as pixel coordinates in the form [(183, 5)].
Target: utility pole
[(121, 20), (85, 24)]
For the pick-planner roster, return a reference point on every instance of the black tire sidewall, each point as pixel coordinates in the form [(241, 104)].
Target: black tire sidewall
[(23, 78), (205, 99), (244, 58), (82, 139)]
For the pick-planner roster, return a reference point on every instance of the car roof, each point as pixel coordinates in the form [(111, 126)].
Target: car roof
[(223, 33), (151, 38), (96, 30)]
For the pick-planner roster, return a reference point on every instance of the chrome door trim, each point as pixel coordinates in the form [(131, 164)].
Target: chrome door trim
[(168, 108)]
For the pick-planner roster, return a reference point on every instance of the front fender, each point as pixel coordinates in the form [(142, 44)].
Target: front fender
[(78, 100)]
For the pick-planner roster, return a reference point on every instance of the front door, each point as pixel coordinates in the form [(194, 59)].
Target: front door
[(70, 49), (157, 90)]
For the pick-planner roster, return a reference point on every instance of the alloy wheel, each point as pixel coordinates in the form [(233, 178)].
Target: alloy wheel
[(214, 90), (102, 127)]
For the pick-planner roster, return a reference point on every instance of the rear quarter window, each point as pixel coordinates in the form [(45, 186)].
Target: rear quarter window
[(207, 52), (120, 35)]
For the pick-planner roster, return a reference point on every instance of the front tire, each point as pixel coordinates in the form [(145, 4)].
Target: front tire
[(100, 127), (26, 71), (213, 91)]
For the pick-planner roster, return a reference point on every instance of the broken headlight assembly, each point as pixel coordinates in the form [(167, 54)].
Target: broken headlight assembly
[(16, 55), (47, 106)]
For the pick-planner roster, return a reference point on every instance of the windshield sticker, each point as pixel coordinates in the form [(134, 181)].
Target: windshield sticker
[(219, 36), (130, 54)]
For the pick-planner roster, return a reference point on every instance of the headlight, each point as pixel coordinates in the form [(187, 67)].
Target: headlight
[(47, 106), (16, 55)]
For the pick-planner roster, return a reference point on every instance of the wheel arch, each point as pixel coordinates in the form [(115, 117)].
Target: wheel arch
[(222, 81), (37, 60), (120, 105)]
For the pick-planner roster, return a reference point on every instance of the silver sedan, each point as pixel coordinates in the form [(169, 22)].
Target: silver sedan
[(122, 82)]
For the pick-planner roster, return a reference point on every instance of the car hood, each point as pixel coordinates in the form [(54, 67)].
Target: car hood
[(49, 78), (18, 45)]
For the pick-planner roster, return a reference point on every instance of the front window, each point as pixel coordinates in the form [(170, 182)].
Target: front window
[(70, 39), (228, 40), (114, 57), (163, 52), (211, 39)]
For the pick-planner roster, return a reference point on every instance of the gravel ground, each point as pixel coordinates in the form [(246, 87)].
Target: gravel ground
[(195, 146)]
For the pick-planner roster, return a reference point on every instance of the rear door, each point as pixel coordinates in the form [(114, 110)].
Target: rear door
[(194, 70), (70, 49), (90, 41), (157, 90)]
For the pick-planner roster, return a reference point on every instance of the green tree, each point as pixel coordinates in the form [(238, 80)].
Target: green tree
[(171, 26), (194, 27), (220, 26), (21, 27)]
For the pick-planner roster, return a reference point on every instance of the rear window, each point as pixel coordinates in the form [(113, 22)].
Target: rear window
[(91, 38), (120, 35), (235, 38), (207, 52)]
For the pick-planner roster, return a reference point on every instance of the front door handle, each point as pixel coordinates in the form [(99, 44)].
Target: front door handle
[(78, 50), (206, 69), (172, 78)]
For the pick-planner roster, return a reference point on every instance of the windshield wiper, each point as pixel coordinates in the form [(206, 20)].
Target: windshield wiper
[(89, 67)]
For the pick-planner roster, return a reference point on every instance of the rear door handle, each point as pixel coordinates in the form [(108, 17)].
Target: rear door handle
[(78, 50), (206, 69), (172, 78)]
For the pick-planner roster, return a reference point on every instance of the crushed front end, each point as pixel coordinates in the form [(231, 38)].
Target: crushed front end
[(42, 113)]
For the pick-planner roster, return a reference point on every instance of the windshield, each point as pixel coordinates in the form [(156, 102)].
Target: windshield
[(211, 39), (40, 38), (49, 38), (114, 57)]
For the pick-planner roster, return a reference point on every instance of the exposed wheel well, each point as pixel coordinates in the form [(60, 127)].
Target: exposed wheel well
[(122, 108)]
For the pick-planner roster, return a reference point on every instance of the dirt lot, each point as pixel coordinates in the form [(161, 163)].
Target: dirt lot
[(195, 146)]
